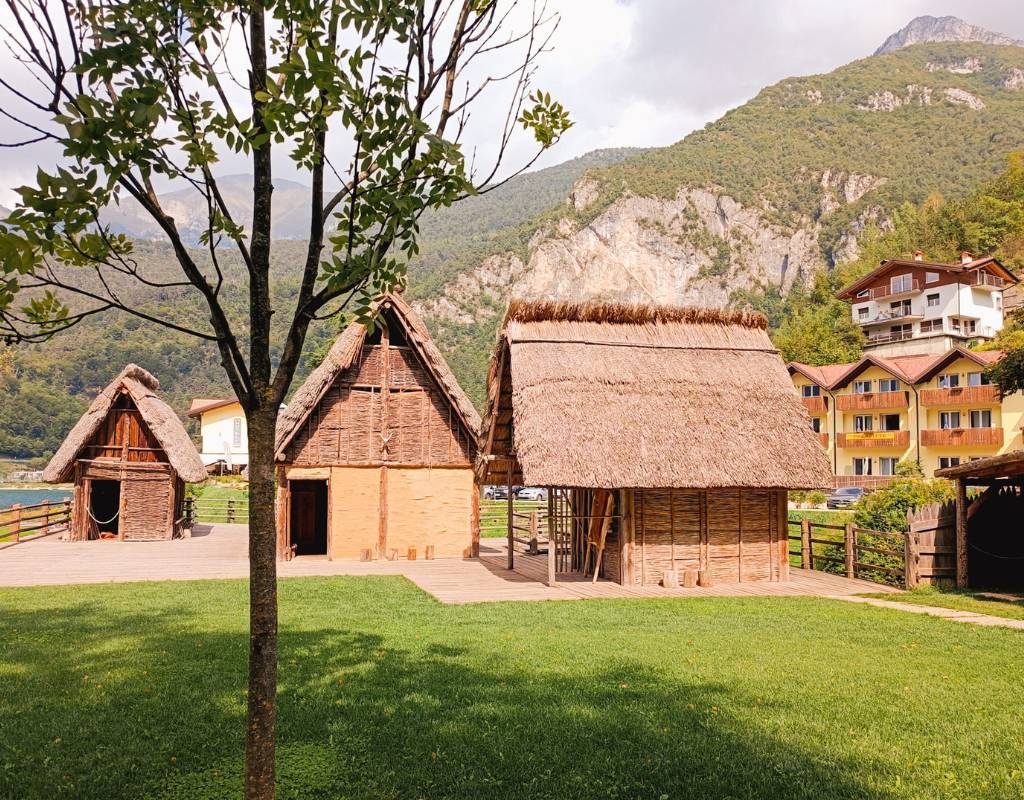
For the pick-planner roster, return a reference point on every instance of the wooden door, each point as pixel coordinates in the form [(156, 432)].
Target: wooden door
[(308, 524)]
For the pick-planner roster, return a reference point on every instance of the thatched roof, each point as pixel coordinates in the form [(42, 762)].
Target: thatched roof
[(1007, 465), (142, 387), (612, 396), (343, 355)]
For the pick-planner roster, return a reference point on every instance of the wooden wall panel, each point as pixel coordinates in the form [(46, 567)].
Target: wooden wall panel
[(352, 507), (430, 507)]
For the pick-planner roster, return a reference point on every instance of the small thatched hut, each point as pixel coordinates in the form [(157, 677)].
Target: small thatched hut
[(376, 450), (129, 457), (668, 436)]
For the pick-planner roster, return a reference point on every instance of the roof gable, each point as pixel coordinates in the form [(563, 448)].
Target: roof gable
[(892, 265)]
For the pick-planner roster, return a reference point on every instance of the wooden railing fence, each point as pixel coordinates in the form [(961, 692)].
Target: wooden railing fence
[(21, 523), (529, 524), (200, 510), (877, 556)]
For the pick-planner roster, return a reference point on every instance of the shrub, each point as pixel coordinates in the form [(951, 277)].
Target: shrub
[(817, 498), (886, 509)]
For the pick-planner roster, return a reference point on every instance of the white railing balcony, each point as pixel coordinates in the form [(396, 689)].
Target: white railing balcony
[(983, 280)]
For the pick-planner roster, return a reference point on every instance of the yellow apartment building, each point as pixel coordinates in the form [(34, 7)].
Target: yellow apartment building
[(935, 410)]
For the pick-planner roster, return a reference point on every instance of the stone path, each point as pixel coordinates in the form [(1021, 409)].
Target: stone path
[(945, 613)]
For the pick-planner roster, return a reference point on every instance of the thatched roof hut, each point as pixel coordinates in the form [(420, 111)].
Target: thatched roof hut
[(612, 396), (678, 426), (130, 455), (376, 449)]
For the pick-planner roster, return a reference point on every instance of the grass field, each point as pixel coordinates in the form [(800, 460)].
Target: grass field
[(137, 690), (959, 600)]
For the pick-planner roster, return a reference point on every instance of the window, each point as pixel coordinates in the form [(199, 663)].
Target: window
[(954, 323), (948, 461), (236, 432), (970, 325), (900, 308), (981, 419), (931, 325), (999, 300), (862, 312), (862, 387), (862, 466), (931, 277), (889, 422), (888, 385), (887, 466), (977, 379), (862, 423), (949, 381), (901, 283), (816, 424), (949, 420), (810, 390), (933, 301), (901, 332), (863, 293)]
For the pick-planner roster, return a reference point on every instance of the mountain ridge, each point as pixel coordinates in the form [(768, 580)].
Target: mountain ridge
[(928, 29)]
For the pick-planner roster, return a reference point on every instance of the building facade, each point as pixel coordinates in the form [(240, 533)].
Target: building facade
[(913, 307), (937, 411), (223, 431)]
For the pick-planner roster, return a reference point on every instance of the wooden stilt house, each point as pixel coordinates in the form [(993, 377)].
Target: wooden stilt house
[(375, 451), (667, 438), (129, 457)]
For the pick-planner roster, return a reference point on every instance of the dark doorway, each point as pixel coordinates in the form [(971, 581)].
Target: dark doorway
[(308, 524), (104, 507)]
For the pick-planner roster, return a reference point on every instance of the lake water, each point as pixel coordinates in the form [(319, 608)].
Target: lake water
[(30, 497)]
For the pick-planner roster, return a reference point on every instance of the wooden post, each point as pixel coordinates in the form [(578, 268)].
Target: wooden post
[(382, 518), (806, 553), (911, 565), (552, 544), (45, 529), (16, 523), (849, 540), (67, 517), (961, 534), (534, 549), (385, 435), (511, 541), (428, 552), (231, 510), (474, 522)]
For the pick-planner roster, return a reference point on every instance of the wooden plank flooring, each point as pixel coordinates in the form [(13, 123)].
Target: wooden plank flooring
[(221, 551)]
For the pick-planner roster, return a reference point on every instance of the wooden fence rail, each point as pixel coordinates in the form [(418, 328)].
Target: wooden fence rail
[(21, 523), (877, 556), (200, 510)]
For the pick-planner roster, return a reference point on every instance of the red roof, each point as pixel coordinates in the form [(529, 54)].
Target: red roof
[(201, 405), (909, 369)]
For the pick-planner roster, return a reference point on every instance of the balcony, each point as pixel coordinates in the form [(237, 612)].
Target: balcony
[(823, 438), (868, 482), (960, 396), (992, 283), (815, 405), (880, 292), (891, 316), (962, 437), (888, 338), (872, 401), (875, 439)]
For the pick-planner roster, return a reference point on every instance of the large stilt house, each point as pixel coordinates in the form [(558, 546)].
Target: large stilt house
[(668, 438), (129, 457), (375, 451)]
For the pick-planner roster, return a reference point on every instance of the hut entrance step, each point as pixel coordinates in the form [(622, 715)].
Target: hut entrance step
[(309, 517), (104, 508)]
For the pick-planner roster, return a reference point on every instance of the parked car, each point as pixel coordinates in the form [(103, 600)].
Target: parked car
[(532, 493), (495, 493), (845, 497)]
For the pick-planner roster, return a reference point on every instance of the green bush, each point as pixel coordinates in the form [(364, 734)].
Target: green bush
[(817, 498), (886, 509)]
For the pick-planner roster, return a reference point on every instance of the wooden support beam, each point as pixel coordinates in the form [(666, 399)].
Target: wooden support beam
[(961, 534), (552, 543), (510, 508)]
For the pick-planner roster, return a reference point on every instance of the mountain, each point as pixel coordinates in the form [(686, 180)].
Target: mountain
[(925, 29)]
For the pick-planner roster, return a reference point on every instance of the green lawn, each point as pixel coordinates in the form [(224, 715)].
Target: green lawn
[(959, 600), (136, 690)]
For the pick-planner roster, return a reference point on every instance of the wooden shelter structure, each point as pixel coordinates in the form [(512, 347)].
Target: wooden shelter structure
[(375, 451), (667, 437), (989, 532), (129, 457)]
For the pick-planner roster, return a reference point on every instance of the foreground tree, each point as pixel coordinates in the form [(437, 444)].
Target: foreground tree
[(371, 97)]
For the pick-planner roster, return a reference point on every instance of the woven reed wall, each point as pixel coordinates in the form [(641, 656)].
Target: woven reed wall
[(733, 533), (611, 562), (347, 427), (151, 498)]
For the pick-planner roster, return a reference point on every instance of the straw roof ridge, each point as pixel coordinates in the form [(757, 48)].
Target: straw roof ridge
[(343, 354), (520, 310), (165, 425)]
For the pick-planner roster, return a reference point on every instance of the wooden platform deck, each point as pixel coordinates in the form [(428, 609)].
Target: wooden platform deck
[(220, 551)]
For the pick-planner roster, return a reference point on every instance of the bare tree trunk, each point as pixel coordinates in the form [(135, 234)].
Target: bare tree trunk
[(262, 718)]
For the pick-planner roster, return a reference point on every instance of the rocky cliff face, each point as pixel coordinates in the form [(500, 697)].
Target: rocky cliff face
[(694, 249), (941, 29)]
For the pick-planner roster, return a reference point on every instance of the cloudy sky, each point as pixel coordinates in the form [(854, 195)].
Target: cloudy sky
[(647, 72)]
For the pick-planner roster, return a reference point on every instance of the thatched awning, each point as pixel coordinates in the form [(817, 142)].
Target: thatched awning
[(642, 397), (142, 387), (342, 356)]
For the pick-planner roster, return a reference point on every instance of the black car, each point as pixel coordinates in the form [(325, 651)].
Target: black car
[(845, 497)]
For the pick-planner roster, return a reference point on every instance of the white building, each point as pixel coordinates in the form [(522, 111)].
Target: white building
[(917, 307), (223, 430)]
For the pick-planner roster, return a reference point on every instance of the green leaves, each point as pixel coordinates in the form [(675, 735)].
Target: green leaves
[(547, 118)]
